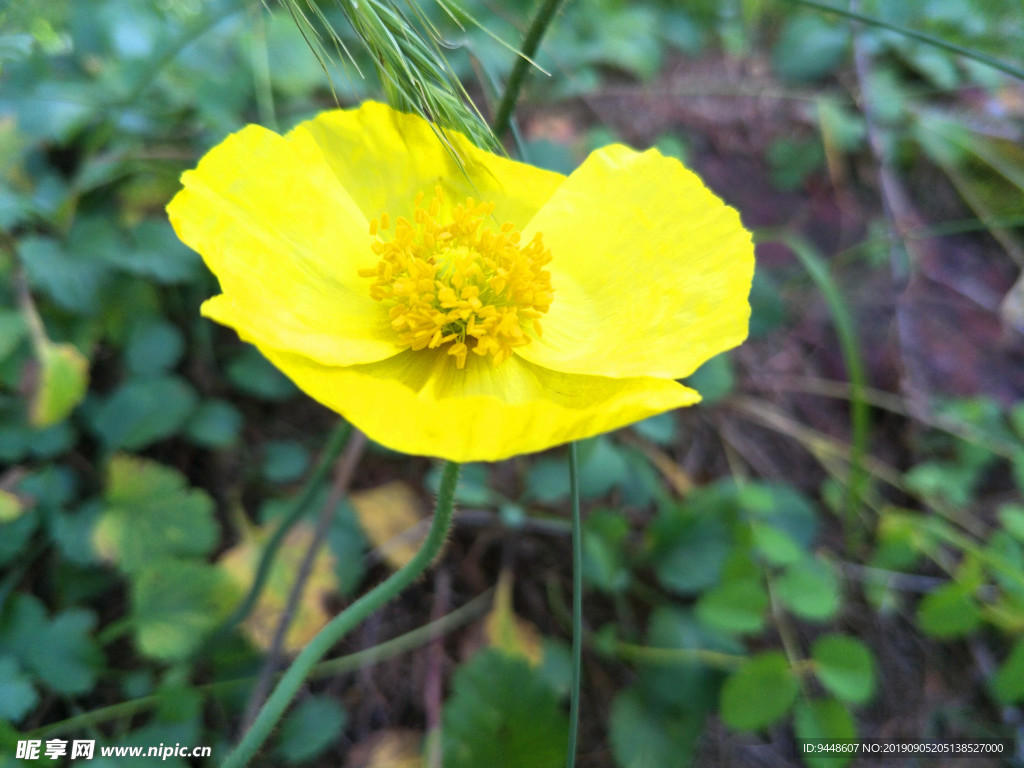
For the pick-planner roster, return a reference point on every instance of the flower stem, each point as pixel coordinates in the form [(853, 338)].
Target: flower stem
[(577, 605), (347, 620), (531, 42)]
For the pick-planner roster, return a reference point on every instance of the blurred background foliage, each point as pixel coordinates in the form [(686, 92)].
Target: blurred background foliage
[(831, 544)]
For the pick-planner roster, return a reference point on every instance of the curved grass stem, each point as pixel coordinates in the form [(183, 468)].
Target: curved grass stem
[(345, 621)]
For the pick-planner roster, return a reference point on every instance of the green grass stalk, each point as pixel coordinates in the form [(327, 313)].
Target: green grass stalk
[(860, 413)]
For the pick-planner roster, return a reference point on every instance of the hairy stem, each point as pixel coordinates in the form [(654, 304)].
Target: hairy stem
[(345, 621)]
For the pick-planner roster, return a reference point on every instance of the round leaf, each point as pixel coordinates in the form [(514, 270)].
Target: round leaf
[(950, 611), (824, 719), (845, 666), (153, 347), (736, 606), (759, 693), (810, 589)]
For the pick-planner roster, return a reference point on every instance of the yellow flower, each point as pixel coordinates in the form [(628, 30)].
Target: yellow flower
[(469, 314)]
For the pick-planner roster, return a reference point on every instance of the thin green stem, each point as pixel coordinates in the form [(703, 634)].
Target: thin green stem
[(577, 605), (642, 654), (531, 42), (330, 668), (345, 621), (860, 412)]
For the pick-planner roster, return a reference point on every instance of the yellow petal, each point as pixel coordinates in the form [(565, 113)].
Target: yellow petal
[(384, 158), (650, 270), (419, 403), (286, 242)]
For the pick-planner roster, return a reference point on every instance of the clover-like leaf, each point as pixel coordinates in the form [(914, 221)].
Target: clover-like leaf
[(151, 514)]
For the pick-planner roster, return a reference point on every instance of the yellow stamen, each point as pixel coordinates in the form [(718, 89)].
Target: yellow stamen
[(459, 283)]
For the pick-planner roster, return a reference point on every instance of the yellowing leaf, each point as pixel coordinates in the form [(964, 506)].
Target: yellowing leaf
[(506, 631), (390, 517), (150, 513), (10, 507), (393, 748), (63, 380), (240, 563)]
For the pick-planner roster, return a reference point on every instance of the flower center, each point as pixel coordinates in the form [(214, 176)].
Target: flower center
[(459, 283)]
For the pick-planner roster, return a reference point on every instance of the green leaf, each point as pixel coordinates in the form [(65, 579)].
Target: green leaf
[(14, 536), (1016, 418), (1008, 682), (253, 374), (502, 715), (775, 546), (604, 551), (601, 467), (72, 532), (825, 719), (809, 47), (175, 603), (690, 549), (284, 461), (310, 728), (767, 309), (793, 160), (643, 735), (11, 507), (1012, 518), (845, 666), (760, 693), (59, 651), (12, 331), (547, 481), (63, 380), (782, 507), (949, 611), (152, 514), (660, 429), (214, 424), (157, 255), (155, 346), (17, 695), (947, 481), (555, 665), (810, 589), (72, 282), (714, 380), (144, 411), (735, 606)]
